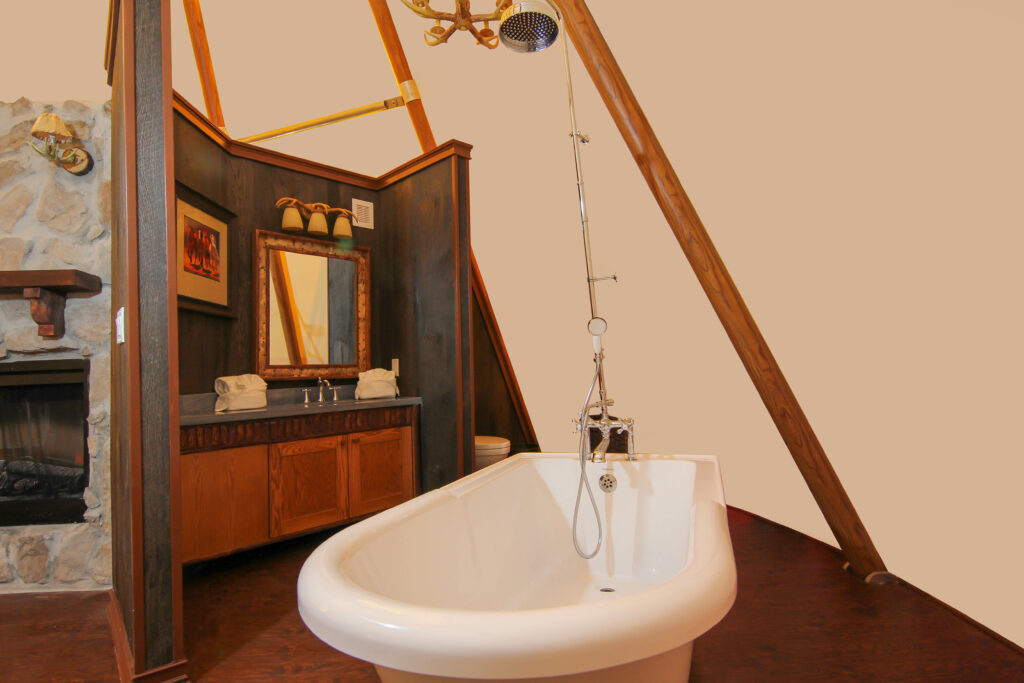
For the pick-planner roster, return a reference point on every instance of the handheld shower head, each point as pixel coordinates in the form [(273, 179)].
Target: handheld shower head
[(528, 26)]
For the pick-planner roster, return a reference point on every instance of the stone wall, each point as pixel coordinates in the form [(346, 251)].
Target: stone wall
[(50, 219)]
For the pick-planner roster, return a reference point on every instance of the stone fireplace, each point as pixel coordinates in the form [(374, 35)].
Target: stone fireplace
[(51, 220)]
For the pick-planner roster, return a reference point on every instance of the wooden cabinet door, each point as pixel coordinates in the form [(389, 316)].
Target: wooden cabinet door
[(223, 501), (307, 484), (380, 469)]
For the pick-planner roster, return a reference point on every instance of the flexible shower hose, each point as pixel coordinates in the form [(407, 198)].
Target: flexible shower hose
[(584, 450)]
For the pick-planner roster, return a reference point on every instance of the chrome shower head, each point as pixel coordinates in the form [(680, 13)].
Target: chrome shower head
[(528, 26)]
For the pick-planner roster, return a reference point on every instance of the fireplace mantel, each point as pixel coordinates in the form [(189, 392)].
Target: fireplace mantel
[(47, 292)]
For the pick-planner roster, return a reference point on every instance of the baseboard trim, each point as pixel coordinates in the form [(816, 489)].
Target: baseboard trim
[(122, 648)]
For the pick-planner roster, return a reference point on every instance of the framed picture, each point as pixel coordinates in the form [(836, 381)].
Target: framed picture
[(202, 255)]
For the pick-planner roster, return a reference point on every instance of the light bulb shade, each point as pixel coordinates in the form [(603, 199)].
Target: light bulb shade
[(50, 125), (292, 219), (342, 226), (317, 223), (528, 26)]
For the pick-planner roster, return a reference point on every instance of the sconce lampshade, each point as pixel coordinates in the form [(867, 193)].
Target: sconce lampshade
[(50, 125), (292, 219), (318, 223), (342, 226)]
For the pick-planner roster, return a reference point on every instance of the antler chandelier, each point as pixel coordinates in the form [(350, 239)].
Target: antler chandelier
[(460, 20)]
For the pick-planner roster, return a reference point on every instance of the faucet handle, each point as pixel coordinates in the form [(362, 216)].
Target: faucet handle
[(305, 394), (334, 391)]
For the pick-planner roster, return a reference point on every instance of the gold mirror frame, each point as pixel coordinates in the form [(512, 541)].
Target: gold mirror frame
[(265, 241)]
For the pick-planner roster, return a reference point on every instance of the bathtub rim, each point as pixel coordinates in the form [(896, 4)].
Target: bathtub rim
[(492, 644)]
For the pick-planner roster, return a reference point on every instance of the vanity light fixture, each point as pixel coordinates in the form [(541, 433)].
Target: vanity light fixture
[(316, 213), (57, 138)]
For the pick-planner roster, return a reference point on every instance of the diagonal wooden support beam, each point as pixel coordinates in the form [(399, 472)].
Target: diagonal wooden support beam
[(201, 48), (757, 358), (403, 75)]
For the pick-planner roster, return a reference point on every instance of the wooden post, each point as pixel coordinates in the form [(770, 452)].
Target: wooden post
[(400, 67), (757, 358)]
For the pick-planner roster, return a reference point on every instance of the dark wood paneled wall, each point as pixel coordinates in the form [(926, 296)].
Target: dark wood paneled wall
[(422, 321), (243, 192), (419, 292), (495, 411)]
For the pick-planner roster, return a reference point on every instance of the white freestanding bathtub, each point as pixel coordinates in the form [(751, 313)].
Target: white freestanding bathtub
[(479, 579)]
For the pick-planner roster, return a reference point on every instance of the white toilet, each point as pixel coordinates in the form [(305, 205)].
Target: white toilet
[(488, 450)]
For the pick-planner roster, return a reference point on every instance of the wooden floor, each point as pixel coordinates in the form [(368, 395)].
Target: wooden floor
[(56, 637), (798, 617)]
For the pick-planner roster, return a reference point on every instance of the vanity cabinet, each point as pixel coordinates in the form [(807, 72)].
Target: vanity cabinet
[(379, 476), (223, 500), (261, 483), (308, 484)]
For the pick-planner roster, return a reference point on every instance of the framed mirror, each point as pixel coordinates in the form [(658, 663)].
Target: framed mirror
[(312, 308)]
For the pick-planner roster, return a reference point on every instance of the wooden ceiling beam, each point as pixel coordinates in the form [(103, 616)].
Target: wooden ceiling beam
[(201, 48)]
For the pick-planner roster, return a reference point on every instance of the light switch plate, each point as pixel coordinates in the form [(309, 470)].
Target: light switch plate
[(119, 326)]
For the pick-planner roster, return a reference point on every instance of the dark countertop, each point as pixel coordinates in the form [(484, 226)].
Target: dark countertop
[(197, 409)]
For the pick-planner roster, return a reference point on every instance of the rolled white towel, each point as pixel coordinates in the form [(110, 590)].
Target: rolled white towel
[(377, 383), (240, 392), (234, 383)]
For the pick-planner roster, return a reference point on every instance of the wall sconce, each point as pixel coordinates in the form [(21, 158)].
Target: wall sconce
[(295, 211), (57, 138)]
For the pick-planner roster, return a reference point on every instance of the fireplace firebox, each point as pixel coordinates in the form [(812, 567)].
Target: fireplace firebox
[(44, 454)]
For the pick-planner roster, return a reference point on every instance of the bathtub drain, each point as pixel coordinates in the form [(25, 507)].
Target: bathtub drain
[(607, 590)]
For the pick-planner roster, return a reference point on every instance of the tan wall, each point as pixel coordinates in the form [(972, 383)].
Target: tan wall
[(858, 166)]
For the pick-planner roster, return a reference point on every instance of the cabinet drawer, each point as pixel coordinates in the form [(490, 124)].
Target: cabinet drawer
[(380, 469), (307, 484), (224, 501)]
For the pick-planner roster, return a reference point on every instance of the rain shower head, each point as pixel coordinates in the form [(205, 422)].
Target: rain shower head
[(528, 26)]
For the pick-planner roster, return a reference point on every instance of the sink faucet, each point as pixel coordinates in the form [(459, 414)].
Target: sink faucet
[(321, 383)]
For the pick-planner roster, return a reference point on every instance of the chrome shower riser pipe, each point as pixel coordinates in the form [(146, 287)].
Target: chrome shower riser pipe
[(575, 134)]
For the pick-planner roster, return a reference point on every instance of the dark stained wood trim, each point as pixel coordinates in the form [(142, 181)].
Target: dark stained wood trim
[(204, 64), (725, 298), (400, 67), (466, 297), (266, 156), (196, 438), (460, 426), (445, 149), (504, 361), (122, 648)]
